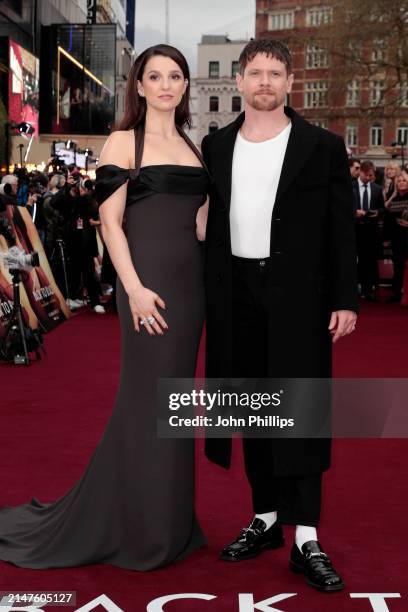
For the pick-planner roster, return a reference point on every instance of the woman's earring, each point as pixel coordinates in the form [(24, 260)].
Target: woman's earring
[(140, 92)]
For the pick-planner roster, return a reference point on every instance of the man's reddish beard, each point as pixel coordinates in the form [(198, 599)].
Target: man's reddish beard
[(268, 104)]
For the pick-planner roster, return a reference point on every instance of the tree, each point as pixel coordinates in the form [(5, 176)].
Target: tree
[(367, 43)]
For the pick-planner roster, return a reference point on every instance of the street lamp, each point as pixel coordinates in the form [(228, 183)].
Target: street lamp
[(399, 143)]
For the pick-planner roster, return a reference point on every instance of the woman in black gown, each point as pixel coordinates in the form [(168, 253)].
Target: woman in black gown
[(134, 505)]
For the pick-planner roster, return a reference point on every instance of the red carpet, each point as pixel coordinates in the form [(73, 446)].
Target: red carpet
[(54, 412)]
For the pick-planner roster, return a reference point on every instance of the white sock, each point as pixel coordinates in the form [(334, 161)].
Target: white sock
[(304, 533), (269, 518)]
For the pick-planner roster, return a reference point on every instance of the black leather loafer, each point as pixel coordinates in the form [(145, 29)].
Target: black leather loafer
[(253, 540), (316, 565)]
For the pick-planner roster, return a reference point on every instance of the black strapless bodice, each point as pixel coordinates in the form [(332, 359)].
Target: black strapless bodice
[(158, 178)]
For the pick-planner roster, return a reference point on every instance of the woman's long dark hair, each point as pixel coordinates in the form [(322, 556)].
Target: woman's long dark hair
[(135, 105)]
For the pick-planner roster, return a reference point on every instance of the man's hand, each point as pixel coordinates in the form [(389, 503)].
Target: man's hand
[(32, 198), (342, 322), (360, 212)]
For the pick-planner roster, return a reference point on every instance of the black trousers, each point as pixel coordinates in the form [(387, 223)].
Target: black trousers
[(296, 499), (81, 273), (367, 242)]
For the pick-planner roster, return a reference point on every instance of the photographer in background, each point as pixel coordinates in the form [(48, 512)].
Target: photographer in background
[(8, 190), (22, 189), (5, 227), (54, 221), (77, 205), (37, 187)]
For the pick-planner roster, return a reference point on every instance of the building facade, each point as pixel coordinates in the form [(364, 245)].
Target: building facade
[(218, 100), (325, 91), (69, 73)]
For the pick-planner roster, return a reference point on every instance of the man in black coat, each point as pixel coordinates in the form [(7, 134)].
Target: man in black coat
[(368, 204), (281, 287)]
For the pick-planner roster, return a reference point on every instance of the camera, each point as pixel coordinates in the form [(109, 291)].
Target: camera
[(6, 189), (16, 259), (87, 184)]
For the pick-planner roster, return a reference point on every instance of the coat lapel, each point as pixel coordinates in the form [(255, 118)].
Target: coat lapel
[(301, 142), (222, 168)]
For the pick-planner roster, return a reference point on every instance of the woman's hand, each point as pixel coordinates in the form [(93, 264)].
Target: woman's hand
[(142, 303), (387, 204)]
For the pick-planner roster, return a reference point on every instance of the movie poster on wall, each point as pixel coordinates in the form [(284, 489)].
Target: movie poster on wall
[(24, 77), (42, 301)]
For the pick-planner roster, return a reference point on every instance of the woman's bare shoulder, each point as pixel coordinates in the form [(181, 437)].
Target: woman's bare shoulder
[(118, 149)]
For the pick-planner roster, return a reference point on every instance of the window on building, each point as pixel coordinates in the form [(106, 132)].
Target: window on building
[(214, 104), (351, 135), (376, 16), (91, 85), (353, 93), (400, 52), (376, 135), (319, 122), (315, 94), (378, 51), (316, 57), (318, 15), (402, 94), (281, 21), (214, 70), (234, 69), (377, 92), (402, 134), (213, 127), (236, 104), (354, 52)]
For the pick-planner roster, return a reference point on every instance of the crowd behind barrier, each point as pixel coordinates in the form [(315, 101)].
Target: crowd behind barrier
[(63, 207), (381, 215)]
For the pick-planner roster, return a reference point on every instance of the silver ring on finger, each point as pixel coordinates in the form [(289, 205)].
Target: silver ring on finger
[(151, 320), (142, 321)]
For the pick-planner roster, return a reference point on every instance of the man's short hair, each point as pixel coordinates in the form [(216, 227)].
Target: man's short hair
[(271, 48), (11, 179), (366, 166), (353, 160)]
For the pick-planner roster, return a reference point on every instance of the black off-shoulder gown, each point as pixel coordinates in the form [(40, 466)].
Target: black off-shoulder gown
[(134, 505)]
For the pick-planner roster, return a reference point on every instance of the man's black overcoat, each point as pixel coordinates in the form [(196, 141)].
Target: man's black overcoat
[(313, 273)]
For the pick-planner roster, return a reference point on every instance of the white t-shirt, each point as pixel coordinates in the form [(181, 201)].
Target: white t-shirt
[(256, 169)]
